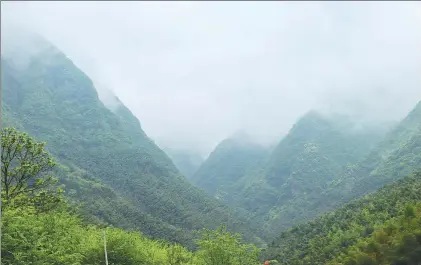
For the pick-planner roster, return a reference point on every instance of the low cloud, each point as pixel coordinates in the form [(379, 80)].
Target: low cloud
[(194, 73)]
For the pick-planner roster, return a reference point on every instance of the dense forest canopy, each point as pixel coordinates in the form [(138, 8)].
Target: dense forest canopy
[(380, 228)]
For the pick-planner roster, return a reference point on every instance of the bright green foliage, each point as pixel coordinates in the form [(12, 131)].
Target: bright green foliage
[(58, 237), (221, 247), (25, 164), (178, 255), (45, 238), (388, 215)]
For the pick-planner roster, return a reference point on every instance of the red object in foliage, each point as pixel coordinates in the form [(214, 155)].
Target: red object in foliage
[(266, 263)]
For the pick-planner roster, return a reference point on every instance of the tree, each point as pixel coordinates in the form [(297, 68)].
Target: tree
[(25, 165), (178, 255), (221, 247)]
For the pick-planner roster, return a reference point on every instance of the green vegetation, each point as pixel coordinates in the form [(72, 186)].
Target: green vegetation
[(23, 159), (39, 227), (380, 228), (60, 237), (396, 242)]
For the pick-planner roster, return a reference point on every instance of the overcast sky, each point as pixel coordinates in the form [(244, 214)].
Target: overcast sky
[(196, 72)]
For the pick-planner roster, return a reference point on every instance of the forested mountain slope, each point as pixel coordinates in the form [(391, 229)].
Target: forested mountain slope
[(224, 174), (381, 228), (397, 155), (48, 96), (311, 156), (273, 185)]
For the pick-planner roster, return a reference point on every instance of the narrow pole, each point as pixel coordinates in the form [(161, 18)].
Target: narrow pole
[(1, 188), (105, 249)]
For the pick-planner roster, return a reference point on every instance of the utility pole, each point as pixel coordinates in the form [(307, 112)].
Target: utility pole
[(105, 248), (1, 162)]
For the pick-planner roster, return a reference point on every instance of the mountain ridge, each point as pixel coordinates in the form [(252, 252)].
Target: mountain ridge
[(300, 168), (56, 102), (370, 172)]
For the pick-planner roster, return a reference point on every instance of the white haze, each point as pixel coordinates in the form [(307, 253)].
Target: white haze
[(196, 72)]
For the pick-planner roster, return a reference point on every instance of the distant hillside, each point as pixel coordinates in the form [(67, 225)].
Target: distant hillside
[(134, 182), (224, 174), (313, 154), (186, 162), (397, 155), (272, 184)]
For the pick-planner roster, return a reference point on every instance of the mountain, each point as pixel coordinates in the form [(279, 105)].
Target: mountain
[(272, 184), (133, 181), (311, 157), (186, 162), (379, 228), (394, 157), (224, 173)]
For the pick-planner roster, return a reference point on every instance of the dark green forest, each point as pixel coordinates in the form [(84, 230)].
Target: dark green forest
[(379, 228), (73, 168)]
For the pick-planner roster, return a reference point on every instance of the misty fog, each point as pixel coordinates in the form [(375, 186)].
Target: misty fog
[(195, 73)]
